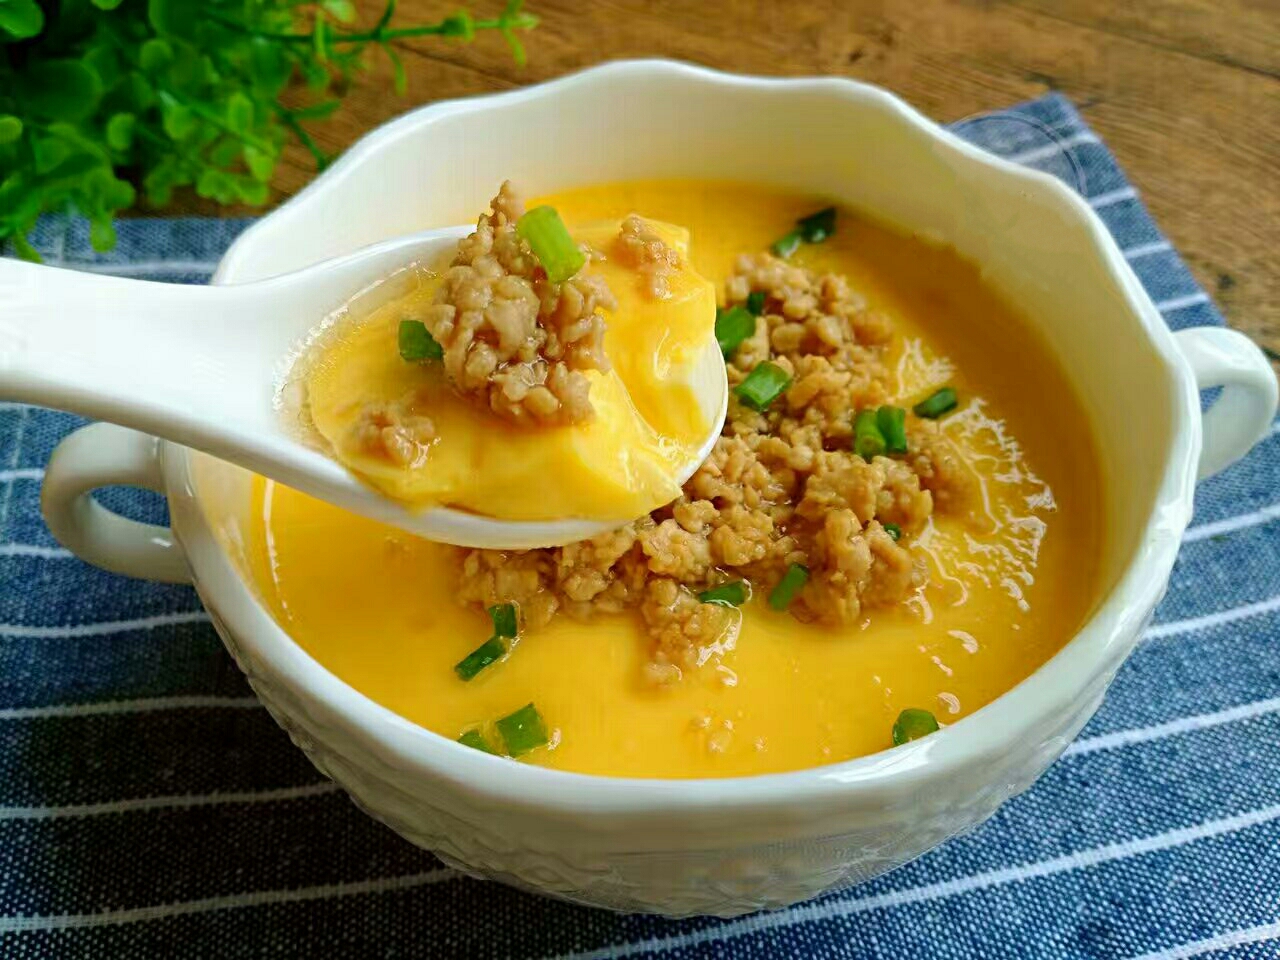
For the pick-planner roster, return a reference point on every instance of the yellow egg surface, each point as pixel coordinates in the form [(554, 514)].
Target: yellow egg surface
[(377, 608)]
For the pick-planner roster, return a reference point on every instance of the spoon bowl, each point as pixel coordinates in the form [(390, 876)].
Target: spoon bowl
[(206, 366)]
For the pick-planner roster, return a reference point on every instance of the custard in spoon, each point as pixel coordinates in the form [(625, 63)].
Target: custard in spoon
[(539, 376)]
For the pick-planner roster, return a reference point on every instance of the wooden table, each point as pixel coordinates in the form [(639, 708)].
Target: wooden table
[(1186, 92)]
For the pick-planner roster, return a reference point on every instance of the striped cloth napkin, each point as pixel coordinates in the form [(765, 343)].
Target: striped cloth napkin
[(150, 808)]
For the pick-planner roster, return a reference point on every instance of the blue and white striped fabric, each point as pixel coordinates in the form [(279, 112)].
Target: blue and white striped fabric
[(149, 807)]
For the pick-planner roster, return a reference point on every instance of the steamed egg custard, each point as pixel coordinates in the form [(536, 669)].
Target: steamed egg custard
[(893, 529), (406, 429)]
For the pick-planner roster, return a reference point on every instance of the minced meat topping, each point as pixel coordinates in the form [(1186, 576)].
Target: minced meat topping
[(640, 248), (512, 338), (395, 432), (780, 487)]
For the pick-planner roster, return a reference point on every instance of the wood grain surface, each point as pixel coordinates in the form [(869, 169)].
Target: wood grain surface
[(1186, 92)]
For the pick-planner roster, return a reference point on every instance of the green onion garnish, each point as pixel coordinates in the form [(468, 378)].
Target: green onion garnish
[(733, 594), (732, 327), (935, 406), (792, 582), (912, 724), (892, 422), (763, 385), (488, 652), (818, 226), (416, 342), (549, 239), (504, 619), (893, 530), (755, 302), (787, 245), (476, 741), (868, 441), (523, 730), (814, 228)]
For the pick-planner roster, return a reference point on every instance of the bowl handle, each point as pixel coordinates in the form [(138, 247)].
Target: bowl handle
[(1242, 416), (101, 455)]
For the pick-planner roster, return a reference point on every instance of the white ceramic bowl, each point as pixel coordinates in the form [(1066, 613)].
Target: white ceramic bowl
[(731, 845)]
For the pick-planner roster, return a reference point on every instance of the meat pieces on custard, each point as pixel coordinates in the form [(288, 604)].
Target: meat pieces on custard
[(511, 338), (779, 487)]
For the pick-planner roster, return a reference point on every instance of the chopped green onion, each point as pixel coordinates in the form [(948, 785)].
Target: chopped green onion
[(416, 342), (912, 724), (792, 582), (504, 619), (488, 652), (755, 302), (732, 327), (503, 616), (892, 422), (733, 594), (868, 441), (763, 385), (935, 406), (523, 730), (549, 239), (818, 226), (476, 741), (786, 246), (893, 530), (814, 228)]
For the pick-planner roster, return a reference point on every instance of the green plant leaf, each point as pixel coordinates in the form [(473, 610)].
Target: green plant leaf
[(21, 19), (155, 54), (102, 234), (71, 133), (49, 153), (177, 118), (203, 135), (71, 171), (25, 250), (10, 128), (162, 178), (138, 92), (210, 73), (261, 165), (13, 189), (225, 152), (174, 18), (269, 66), (251, 191), (103, 61), (343, 11), (214, 184), (316, 74), (183, 93), (59, 90), (240, 113), (120, 131), (116, 194)]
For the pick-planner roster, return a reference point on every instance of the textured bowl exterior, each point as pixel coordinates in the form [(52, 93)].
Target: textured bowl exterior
[(720, 847), (724, 882)]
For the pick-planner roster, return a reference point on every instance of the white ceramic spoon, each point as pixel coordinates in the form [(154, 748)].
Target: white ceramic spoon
[(203, 366)]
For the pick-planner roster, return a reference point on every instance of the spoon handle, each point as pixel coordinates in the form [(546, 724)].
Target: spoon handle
[(173, 360)]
